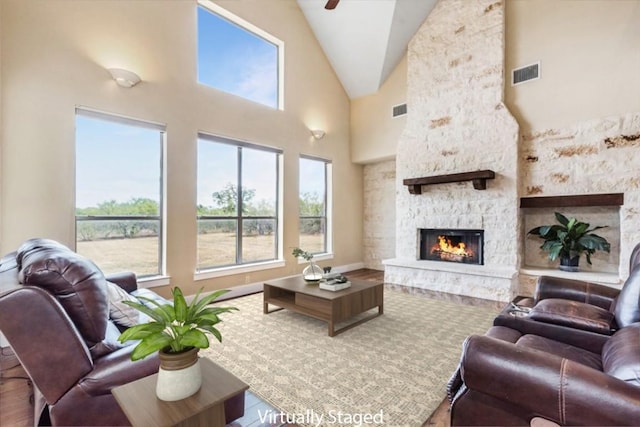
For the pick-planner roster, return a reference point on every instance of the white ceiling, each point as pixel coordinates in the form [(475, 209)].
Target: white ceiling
[(365, 39)]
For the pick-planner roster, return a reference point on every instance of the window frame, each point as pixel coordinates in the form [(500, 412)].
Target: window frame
[(151, 279), (277, 260), (258, 32), (328, 206)]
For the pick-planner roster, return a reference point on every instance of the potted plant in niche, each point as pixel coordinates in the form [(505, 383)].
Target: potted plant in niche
[(312, 272), (177, 332), (568, 240)]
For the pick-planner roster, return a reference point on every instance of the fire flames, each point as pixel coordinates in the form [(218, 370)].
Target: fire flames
[(450, 252)]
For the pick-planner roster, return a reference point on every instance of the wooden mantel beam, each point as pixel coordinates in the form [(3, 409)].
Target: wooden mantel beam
[(573, 200), (478, 178)]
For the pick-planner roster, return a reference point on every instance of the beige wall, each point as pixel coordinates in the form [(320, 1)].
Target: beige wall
[(374, 132), (590, 60), (54, 55)]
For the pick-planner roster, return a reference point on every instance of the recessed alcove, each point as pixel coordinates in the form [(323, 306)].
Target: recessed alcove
[(595, 209)]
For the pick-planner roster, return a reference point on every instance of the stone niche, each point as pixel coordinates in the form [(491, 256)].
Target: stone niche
[(602, 262), (457, 122)]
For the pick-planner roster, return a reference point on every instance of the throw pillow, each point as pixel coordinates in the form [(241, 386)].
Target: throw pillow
[(121, 313)]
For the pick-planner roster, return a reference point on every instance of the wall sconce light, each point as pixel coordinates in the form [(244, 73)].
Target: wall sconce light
[(124, 78), (317, 134)]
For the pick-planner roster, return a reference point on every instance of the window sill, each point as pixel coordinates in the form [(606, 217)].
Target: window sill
[(154, 281), (237, 269)]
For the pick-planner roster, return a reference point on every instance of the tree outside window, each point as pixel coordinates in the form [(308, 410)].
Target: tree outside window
[(237, 203)]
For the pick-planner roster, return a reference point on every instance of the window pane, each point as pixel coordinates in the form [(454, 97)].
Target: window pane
[(312, 234), (259, 182), (258, 240), (119, 173), (217, 179), (116, 246), (313, 205), (235, 60), (216, 242), (116, 165), (312, 187)]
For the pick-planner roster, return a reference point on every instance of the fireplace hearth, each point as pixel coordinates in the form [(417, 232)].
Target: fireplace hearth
[(452, 245)]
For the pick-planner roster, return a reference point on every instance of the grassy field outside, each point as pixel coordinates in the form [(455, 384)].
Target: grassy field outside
[(140, 255)]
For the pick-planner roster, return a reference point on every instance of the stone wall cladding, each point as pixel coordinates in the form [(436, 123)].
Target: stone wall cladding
[(458, 123), (379, 213), (596, 156)]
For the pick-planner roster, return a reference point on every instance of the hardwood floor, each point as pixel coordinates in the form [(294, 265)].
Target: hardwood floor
[(16, 407)]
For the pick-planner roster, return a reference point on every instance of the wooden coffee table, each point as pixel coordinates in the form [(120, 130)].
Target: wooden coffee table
[(295, 294)]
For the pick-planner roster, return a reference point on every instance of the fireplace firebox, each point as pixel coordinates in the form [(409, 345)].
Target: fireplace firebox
[(452, 245)]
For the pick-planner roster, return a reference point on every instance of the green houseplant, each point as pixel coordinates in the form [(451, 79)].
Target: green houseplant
[(568, 240), (311, 273), (176, 331)]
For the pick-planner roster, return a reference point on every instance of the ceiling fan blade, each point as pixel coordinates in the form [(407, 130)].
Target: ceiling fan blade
[(331, 4)]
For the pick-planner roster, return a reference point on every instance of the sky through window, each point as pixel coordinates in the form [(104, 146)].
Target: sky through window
[(235, 60)]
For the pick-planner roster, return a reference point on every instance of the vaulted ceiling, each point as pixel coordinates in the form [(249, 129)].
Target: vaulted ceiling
[(365, 39)]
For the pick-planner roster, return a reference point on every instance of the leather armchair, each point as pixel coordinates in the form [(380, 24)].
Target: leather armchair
[(597, 304), (579, 311), (507, 378), (54, 311), (582, 291)]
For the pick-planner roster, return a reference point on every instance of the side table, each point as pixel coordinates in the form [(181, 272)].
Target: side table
[(205, 408)]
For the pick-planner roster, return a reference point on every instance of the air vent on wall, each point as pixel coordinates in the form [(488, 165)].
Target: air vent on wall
[(399, 110), (525, 74)]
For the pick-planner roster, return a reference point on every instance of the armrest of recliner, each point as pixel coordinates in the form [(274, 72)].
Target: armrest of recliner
[(44, 339), (126, 280), (575, 290), (558, 389), (115, 369), (587, 340)]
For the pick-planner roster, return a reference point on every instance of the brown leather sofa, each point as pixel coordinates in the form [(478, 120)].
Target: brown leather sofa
[(54, 311)]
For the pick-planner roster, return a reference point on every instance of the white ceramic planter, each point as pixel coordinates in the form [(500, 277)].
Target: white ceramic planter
[(176, 382)]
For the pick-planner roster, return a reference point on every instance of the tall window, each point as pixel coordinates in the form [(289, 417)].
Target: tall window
[(237, 57), (314, 204), (238, 193), (119, 193)]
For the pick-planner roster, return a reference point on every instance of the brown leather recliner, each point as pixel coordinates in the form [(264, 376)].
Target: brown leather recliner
[(54, 311), (507, 379), (578, 312)]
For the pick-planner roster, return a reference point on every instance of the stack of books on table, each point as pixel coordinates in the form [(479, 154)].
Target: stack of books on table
[(333, 284)]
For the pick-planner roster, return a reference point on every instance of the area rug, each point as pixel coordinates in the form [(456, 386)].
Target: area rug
[(391, 370)]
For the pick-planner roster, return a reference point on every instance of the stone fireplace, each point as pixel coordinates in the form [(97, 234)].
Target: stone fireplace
[(459, 245), (458, 125)]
